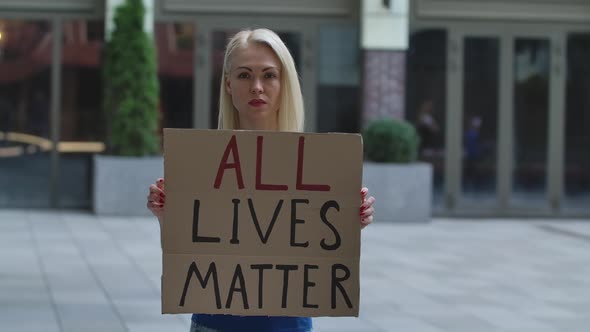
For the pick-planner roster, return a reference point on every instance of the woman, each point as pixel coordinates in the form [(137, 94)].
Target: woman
[(259, 91)]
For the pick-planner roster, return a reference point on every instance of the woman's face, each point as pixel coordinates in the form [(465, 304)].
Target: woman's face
[(254, 83)]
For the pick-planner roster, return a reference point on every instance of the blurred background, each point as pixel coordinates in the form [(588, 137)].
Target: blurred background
[(498, 91), (484, 228)]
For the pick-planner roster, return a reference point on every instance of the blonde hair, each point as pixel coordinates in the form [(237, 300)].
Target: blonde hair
[(291, 112)]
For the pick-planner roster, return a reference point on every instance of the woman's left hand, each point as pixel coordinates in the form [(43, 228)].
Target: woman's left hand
[(367, 209)]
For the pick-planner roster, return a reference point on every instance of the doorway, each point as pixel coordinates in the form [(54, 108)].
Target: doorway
[(506, 125)]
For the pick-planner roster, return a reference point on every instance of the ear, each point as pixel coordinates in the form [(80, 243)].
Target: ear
[(227, 85)]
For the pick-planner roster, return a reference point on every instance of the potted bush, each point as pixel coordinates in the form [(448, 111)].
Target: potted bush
[(130, 104), (402, 186)]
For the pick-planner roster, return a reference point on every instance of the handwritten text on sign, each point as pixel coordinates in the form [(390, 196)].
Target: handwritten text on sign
[(261, 223)]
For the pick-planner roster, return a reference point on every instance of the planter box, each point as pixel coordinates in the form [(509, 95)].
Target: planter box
[(121, 184), (403, 192)]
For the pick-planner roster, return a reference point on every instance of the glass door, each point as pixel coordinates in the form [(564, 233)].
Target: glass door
[(479, 124), (576, 173), (26, 56), (531, 60), (504, 128), (427, 107), (473, 137)]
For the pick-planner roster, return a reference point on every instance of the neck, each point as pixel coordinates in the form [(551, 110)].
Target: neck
[(269, 124)]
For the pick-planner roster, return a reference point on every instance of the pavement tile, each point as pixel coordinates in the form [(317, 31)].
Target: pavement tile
[(457, 322), (346, 324), (158, 327), (29, 326), (72, 271), (503, 318)]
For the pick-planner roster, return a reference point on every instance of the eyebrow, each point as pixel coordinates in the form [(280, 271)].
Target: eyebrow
[(250, 69)]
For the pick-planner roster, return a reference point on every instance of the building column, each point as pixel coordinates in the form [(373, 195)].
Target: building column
[(384, 41)]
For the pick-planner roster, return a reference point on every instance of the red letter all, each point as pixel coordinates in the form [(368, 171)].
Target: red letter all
[(300, 185), (259, 184), (232, 147)]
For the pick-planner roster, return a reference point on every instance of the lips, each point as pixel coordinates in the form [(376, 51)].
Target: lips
[(256, 102)]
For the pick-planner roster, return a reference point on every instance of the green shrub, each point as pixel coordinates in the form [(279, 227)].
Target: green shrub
[(389, 140), (131, 85)]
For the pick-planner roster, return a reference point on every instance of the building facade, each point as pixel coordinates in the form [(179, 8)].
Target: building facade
[(507, 84), (498, 90)]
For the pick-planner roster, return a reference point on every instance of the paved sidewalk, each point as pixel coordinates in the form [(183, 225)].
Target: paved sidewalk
[(78, 272)]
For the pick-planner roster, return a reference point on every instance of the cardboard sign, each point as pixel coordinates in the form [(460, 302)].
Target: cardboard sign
[(261, 223)]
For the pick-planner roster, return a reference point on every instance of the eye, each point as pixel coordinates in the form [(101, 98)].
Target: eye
[(270, 75), (244, 75)]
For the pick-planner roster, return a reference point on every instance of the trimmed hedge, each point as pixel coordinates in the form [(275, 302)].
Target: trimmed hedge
[(391, 141)]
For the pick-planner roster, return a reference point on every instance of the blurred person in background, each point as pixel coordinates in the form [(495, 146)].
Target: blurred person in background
[(427, 128), (473, 150)]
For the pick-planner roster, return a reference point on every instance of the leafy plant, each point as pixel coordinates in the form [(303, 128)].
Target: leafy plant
[(392, 141), (131, 85)]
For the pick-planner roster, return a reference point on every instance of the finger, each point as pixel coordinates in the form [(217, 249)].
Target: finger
[(155, 189), (366, 221), (369, 201), (364, 192), (367, 204), (155, 206), (156, 195), (160, 183), (158, 198), (368, 213), (155, 203)]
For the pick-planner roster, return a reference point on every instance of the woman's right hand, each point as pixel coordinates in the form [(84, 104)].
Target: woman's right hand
[(156, 198)]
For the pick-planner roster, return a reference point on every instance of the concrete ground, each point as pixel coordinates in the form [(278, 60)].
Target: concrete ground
[(68, 271)]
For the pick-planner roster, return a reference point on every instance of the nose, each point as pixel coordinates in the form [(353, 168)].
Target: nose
[(256, 87)]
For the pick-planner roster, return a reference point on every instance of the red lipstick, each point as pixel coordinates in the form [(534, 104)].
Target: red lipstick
[(257, 102)]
